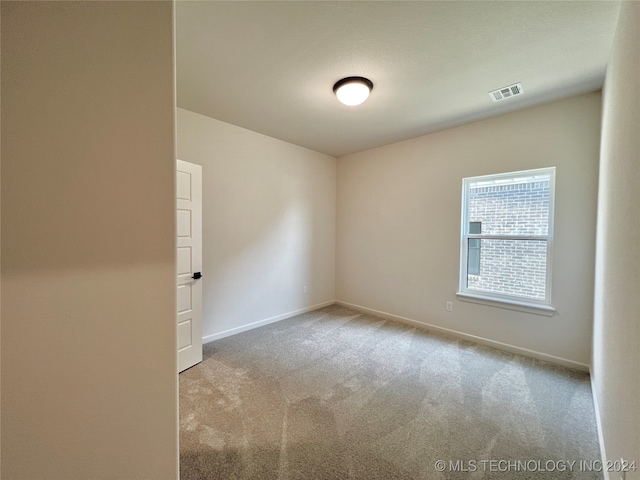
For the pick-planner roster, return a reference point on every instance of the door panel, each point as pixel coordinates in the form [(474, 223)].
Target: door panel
[(184, 335), (184, 223), (184, 298), (184, 262)]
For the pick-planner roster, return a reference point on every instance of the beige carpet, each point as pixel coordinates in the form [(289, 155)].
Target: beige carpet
[(335, 394)]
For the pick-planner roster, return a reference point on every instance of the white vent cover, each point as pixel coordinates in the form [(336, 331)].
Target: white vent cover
[(506, 92)]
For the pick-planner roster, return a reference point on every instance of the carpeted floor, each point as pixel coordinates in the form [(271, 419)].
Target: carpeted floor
[(336, 394)]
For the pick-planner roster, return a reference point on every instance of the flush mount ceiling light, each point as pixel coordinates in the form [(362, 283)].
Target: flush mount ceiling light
[(353, 90)]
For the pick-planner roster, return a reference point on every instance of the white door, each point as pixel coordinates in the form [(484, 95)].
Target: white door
[(189, 230)]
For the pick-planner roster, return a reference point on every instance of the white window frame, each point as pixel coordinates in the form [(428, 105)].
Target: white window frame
[(513, 302)]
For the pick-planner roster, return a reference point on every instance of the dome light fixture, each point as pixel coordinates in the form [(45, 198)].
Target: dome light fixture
[(353, 91)]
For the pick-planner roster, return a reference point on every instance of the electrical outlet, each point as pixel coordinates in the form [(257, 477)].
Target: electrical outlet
[(449, 306), (305, 289)]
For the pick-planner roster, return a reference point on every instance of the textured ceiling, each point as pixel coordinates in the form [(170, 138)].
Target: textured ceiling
[(270, 66)]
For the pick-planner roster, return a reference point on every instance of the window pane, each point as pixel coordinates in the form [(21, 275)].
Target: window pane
[(473, 257), (511, 267), (475, 227), (516, 205)]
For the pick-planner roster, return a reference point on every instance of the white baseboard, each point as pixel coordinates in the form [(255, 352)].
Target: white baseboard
[(266, 321), (596, 407), (465, 336)]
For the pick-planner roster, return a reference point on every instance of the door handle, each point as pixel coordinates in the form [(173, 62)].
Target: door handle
[(197, 276)]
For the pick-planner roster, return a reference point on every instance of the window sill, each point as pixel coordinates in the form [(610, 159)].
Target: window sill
[(519, 306)]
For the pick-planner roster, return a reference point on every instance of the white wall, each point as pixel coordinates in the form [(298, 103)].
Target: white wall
[(398, 224), (89, 384), (268, 224), (616, 346)]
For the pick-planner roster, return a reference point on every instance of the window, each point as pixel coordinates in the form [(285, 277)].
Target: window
[(506, 240), (473, 260)]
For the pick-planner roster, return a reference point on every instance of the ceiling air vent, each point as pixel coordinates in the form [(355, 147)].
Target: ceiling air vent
[(506, 92)]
